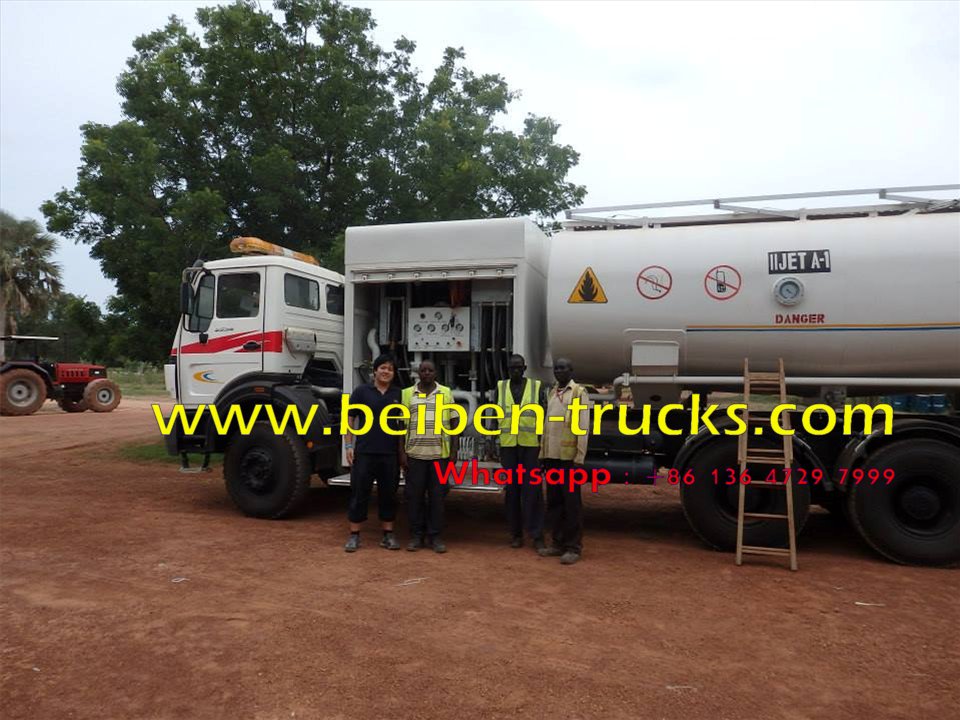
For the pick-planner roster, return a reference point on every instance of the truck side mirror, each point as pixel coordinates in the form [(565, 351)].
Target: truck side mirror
[(186, 298)]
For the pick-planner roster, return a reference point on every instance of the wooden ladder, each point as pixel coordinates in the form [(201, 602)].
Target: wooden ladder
[(759, 383)]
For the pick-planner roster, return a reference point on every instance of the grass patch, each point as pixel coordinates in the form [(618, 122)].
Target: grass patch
[(133, 383), (155, 451)]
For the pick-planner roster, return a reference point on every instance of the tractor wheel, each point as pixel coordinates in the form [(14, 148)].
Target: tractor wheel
[(73, 406), (22, 392), (267, 475), (102, 395)]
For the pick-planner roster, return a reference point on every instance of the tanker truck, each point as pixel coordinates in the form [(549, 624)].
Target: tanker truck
[(653, 302)]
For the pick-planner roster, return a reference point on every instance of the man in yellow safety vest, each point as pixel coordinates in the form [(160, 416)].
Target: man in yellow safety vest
[(524, 501), (423, 491)]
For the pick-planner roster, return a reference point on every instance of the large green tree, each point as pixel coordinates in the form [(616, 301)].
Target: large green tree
[(85, 333), (290, 130), (29, 277)]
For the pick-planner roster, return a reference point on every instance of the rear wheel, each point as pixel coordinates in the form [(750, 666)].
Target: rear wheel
[(267, 475), (72, 406), (711, 508), (914, 520), (22, 392), (102, 395)]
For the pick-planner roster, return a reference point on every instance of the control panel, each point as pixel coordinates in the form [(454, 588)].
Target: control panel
[(439, 329)]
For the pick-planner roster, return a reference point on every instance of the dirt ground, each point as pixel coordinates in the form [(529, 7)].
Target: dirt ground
[(133, 591)]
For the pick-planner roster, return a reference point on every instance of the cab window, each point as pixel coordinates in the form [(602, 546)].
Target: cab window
[(335, 299), (238, 295), (301, 292)]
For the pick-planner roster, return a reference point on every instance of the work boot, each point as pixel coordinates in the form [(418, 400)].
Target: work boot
[(390, 541), (569, 557), (552, 551), (353, 543), (416, 544), (517, 541), (439, 546)]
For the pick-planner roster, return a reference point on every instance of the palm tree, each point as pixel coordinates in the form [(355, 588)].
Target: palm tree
[(29, 277)]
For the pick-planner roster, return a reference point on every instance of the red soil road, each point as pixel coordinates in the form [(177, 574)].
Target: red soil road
[(274, 620)]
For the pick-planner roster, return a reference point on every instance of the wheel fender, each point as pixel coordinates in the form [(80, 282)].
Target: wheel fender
[(303, 399), (277, 392), (801, 450), (19, 364), (861, 446)]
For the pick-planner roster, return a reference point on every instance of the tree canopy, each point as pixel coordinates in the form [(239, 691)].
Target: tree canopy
[(29, 277), (291, 130)]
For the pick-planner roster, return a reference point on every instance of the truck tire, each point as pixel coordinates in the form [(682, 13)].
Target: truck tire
[(73, 406), (102, 395), (915, 520), (267, 475), (22, 392), (711, 509)]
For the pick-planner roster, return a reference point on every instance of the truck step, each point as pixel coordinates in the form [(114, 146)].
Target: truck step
[(185, 464)]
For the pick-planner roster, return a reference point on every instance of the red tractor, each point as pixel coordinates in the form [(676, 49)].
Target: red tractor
[(25, 384)]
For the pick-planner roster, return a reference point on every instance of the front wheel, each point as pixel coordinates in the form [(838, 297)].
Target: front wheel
[(266, 475), (915, 520), (102, 395)]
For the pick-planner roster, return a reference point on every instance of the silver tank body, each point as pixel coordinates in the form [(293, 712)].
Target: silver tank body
[(888, 307)]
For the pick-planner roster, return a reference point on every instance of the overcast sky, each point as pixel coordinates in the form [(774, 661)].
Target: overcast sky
[(663, 101)]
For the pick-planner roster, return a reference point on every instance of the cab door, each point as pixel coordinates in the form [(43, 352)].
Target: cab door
[(222, 337)]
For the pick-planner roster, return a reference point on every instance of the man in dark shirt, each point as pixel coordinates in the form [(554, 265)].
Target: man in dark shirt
[(373, 456)]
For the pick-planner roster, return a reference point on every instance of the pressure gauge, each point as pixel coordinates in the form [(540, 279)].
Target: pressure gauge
[(788, 291)]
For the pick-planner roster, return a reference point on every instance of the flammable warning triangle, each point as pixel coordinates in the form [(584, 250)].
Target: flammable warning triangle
[(588, 289)]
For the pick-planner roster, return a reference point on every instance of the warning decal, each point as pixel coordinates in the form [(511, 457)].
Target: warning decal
[(654, 282), (798, 261), (588, 289), (722, 282)]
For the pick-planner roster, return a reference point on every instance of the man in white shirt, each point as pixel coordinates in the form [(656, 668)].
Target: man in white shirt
[(562, 449)]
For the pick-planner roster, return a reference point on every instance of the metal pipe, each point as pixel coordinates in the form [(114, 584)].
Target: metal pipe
[(796, 381), (415, 367), (470, 398), (373, 344), (494, 350)]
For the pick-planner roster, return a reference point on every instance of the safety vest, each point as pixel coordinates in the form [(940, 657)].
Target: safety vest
[(406, 396), (527, 436), (569, 442)]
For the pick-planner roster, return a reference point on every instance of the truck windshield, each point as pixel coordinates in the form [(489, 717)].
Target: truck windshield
[(201, 309)]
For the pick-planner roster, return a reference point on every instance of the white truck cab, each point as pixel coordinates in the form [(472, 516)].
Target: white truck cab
[(255, 314), (261, 329)]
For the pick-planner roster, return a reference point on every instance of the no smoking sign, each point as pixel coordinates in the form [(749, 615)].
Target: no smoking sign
[(654, 282)]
